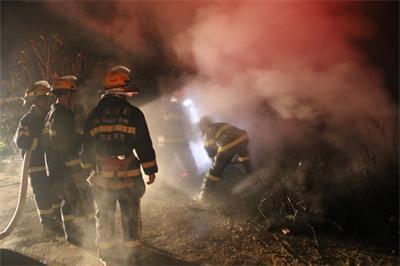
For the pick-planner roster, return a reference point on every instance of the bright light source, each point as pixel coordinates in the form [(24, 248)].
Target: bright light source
[(200, 155), (194, 116), (187, 102)]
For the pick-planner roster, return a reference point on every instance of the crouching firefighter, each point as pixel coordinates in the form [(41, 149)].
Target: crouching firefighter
[(223, 143), (112, 131), (62, 144), (28, 138)]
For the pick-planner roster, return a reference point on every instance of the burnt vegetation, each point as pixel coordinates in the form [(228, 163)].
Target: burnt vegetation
[(317, 188), (314, 188)]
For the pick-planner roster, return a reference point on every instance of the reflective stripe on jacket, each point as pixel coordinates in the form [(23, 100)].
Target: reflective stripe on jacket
[(116, 128), (28, 137), (220, 137)]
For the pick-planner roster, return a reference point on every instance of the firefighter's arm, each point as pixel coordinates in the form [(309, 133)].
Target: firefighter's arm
[(64, 132), (87, 152), (211, 150), (25, 138), (144, 148), (210, 145)]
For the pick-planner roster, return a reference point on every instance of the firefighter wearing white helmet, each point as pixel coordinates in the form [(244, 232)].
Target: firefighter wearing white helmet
[(28, 138), (62, 144), (38, 92), (113, 130), (117, 82)]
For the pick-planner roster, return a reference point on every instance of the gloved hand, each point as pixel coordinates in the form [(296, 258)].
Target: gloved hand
[(152, 177)]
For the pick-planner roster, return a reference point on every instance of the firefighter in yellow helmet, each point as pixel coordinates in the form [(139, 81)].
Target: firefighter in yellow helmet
[(28, 138), (223, 142), (113, 130), (62, 142)]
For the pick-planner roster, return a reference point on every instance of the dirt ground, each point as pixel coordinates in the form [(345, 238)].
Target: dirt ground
[(177, 232)]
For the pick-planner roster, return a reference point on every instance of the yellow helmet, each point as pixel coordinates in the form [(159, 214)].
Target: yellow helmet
[(39, 88), (65, 84), (117, 77)]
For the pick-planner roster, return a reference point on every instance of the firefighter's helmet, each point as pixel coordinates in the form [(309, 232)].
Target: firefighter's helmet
[(117, 77), (39, 88), (117, 82), (64, 84), (205, 122)]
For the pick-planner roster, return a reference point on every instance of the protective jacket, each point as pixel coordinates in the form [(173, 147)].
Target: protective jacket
[(175, 132), (60, 133), (62, 144), (28, 138), (222, 137), (175, 124), (224, 142), (112, 131)]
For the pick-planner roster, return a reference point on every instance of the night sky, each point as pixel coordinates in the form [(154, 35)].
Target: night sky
[(22, 21)]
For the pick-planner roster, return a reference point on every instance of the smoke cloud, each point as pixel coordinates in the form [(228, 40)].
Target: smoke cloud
[(276, 69)]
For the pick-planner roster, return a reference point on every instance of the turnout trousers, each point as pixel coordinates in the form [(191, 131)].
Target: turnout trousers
[(129, 202), (65, 187), (72, 214), (46, 201), (221, 161)]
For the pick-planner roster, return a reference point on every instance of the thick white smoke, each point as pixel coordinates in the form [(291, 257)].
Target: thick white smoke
[(257, 63)]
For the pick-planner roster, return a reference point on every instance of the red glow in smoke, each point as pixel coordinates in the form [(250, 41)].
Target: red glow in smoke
[(300, 57)]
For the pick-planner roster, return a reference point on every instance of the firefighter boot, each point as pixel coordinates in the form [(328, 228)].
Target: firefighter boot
[(54, 228), (134, 255), (48, 233), (203, 199), (57, 226), (57, 216), (72, 233), (50, 227), (207, 192), (107, 256)]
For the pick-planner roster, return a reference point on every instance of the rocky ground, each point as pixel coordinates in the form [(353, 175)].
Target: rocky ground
[(178, 232)]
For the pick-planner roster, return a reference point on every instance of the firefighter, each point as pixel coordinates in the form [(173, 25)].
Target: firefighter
[(223, 143), (173, 137), (62, 142), (28, 138), (113, 130)]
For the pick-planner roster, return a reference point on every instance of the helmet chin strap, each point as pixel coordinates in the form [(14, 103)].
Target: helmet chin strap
[(120, 92)]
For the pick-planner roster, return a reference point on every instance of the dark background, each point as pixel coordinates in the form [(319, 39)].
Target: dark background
[(22, 21)]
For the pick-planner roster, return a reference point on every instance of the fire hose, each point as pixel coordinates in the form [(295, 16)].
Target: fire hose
[(21, 197)]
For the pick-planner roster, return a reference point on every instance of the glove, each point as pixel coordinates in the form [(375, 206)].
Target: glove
[(152, 178)]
